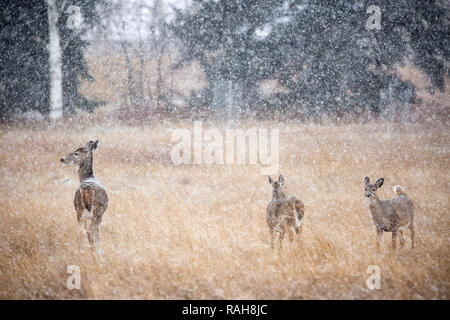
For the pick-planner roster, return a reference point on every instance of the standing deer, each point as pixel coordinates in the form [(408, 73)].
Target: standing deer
[(284, 213), (391, 215), (91, 199)]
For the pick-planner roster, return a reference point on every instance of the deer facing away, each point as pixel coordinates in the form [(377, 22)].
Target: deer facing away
[(284, 213), (390, 215), (90, 199)]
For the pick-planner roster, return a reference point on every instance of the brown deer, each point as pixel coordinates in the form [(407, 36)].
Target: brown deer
[(284, 213), (91, 199), (390, 215)]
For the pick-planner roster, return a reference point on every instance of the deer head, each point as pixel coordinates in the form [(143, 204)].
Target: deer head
[(278, 187), (371, 189), (83, 158), (81, 154)]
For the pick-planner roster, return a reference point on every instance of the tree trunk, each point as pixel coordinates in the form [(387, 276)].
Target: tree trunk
[(159, 84), (141, 98), (131, 91), (251, 95), (55, 62)]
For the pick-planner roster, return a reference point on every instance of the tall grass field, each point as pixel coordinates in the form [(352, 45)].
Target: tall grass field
[(199, 231)]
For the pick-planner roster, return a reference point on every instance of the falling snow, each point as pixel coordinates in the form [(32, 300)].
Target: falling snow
[(335, 93)]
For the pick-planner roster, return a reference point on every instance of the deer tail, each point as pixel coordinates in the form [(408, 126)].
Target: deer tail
[(87, 196), (297, 215), (399, 191)]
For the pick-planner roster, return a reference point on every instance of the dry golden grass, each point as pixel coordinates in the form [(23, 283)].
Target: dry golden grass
[(198, 232), (111, 75)]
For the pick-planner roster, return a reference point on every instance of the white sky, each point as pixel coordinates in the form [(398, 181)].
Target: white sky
[(128, 22)]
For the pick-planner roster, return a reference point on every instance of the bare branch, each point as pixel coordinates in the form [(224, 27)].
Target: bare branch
[(61, 9)]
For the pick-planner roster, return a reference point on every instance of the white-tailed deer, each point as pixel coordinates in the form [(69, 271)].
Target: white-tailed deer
[(90, 199), (284, 213), (391, 215)]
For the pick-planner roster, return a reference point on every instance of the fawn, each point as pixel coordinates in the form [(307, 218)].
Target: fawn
[(90, 199), (284, 213), (391, 215)]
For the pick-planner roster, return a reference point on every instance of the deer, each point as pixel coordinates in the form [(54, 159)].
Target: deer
[(284, 212), (90, 199), (390, 215)]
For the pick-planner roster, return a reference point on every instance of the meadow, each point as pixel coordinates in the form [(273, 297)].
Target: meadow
[(199, 231)]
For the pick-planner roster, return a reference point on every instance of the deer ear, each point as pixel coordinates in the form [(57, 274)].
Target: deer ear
[(379, 183), (366, 181), (270, 179), (92, 145), (281, 179)]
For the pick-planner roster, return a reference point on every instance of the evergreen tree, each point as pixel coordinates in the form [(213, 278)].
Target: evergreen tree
[(221, 36), (24, 62), (329, 60), (319, 50)]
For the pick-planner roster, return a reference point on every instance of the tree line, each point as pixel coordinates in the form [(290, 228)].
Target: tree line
[(322, 54)]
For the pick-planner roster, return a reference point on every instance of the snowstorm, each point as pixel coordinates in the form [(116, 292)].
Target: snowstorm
[(224, 149)]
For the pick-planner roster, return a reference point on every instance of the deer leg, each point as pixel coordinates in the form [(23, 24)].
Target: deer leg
[(93, 236), (379, 239), (411, 227), (281, 238), (291, 234), (82, 226), (299, 231), (272, 238), (81, 217), (394, 239), (402, 239)]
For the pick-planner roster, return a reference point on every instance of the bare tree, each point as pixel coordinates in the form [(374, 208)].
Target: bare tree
[(55, 60), (159, 43), (142, 33)]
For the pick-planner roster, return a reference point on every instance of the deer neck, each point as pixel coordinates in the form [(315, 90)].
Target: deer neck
[(85, 170), (280, 194), (374, 202)]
